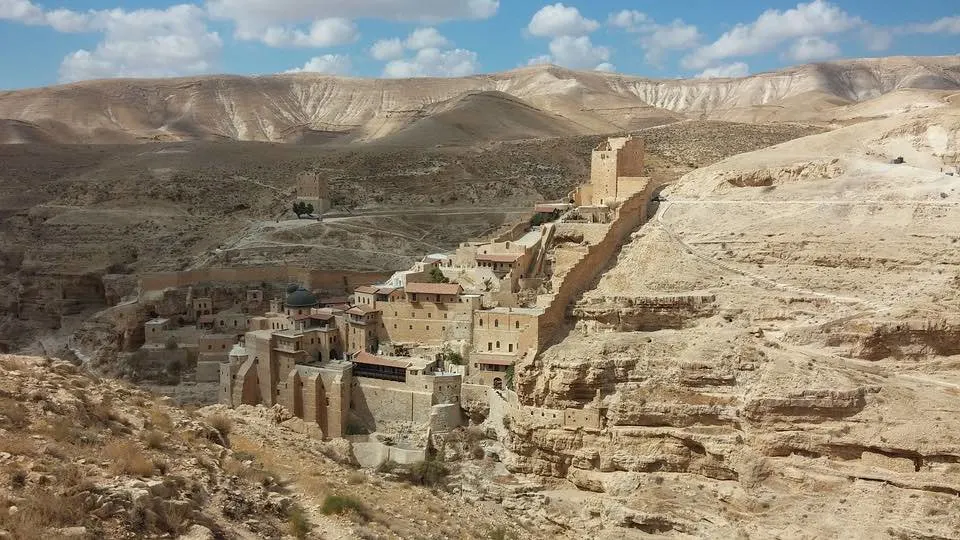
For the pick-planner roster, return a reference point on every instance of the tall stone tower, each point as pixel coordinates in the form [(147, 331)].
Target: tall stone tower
[(615, 159), (312, 188)]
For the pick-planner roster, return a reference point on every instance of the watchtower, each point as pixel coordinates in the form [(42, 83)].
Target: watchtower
[(312, 188)]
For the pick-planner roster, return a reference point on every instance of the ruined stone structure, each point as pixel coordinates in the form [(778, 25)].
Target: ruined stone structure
[(313, 189), (616, 172)]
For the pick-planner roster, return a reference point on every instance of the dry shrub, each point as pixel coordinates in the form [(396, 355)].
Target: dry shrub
[(343, 505), (14, 414), (299, 525), (127, 458), (18, 478), (160, 420), (40, 509), (221, 423), (17, 445), (356, 477), (154, 439)]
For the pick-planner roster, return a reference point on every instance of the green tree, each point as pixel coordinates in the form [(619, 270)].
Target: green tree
[(436, 275), (509, 377)]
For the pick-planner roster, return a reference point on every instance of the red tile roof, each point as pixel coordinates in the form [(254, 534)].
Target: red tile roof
[(321, 316), (501, 257), (301, 317), (361, 310), (364, 357), (433, 288), (366, 289)]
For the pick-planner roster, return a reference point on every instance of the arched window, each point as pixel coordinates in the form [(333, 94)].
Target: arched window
[(498, 344), (496, 323)]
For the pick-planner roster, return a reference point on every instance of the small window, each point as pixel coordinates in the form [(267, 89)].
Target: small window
[(510, 347), (481, 322), (411, 327), (394, 327), (517, 324), (489, 346), (428, 327), (429, 315), (496, 323), (498, 344)]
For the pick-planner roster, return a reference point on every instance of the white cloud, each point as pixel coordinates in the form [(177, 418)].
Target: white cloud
[(810, 48), (875, 38), (253, 13), (540, 60), (145, 43), (575, 53), (946, 25), (387, 49), (322, 33), (606, 66), (736, 69), (332, 64), (772, 28), (630, 20), (559, 20), (676, 36), (433, 62), (425, 38), (22, 11)]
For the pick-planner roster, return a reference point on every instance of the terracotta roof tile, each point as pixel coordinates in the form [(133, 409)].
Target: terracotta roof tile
[(433, 288), (361, 310), (366, 289), (364, 357)]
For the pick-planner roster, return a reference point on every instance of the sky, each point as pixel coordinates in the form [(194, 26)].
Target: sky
[(44, 42)]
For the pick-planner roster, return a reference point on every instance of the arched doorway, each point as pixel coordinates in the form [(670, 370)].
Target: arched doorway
[(498, 384)]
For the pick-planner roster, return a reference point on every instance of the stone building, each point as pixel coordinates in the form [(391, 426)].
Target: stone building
[(313, 189), (616, 172)]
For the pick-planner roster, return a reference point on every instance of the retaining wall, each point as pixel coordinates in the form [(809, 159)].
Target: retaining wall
[(330, 280)]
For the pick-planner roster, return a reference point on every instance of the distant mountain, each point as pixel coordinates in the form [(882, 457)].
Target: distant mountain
[(539, 101)]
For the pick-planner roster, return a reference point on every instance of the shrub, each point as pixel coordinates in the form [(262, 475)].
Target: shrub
[(342, 504), (15, 414), (128, 459), (387, 467), (18, 478), (356, 477), (154, 439), (430, 473), (221, 423), (171, 344), (160, 420), (299, 524)]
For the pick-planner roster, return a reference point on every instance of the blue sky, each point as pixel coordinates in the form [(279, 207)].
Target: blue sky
[(45, 42)]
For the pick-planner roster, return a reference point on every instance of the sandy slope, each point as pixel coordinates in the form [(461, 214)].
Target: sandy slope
[(293, 107)]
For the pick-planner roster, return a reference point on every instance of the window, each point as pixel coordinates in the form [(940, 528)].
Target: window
[(429, 315), (510, 347), (394, 327), (411, 327), (481, 322), (444, 315), (496, 323), (498, 344), (394, 313), (517, 325), (489, 346), (428, 327)]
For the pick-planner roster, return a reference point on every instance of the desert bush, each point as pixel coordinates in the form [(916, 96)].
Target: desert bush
[(430, 473), (16, 445), (477, 452), (40, 509), (221, 423), (356, 477), (154, 439), (126, 458), (342, 504), (18, 478), (160, 420), (14, 414), (298, 522), (387, 467), (244, 456)]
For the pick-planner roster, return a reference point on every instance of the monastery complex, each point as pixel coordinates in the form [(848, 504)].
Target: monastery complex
[(397, 355)]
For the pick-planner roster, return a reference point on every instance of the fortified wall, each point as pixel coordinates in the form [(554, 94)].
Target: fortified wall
[(329, 280)]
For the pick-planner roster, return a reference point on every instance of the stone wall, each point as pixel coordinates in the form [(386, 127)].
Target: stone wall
[(332, 281), (375, 403), (630, 215)]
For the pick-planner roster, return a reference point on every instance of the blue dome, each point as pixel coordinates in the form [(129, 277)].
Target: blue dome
[(301, 298)]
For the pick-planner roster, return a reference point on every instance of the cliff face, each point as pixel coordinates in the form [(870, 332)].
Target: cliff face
[(317, 108), (767, 358)]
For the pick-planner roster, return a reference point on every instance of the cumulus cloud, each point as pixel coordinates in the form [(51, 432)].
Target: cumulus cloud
[(559, 20), (387, 49), (736, 69), (433, 62), (332, 64), (630, 20), (875, 38), (656, 39), (575, 53), (810, 48), (425, 38), (322, 33), (772, 28), (946, 25), (251, 13), (606, 66)]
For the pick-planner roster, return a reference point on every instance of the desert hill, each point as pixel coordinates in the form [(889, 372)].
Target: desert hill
[(313, 107)]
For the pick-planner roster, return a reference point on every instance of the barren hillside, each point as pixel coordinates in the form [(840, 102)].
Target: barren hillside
[(776, 350), (315, 108)]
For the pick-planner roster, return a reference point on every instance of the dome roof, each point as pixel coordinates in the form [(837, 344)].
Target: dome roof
[(301, 298)]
